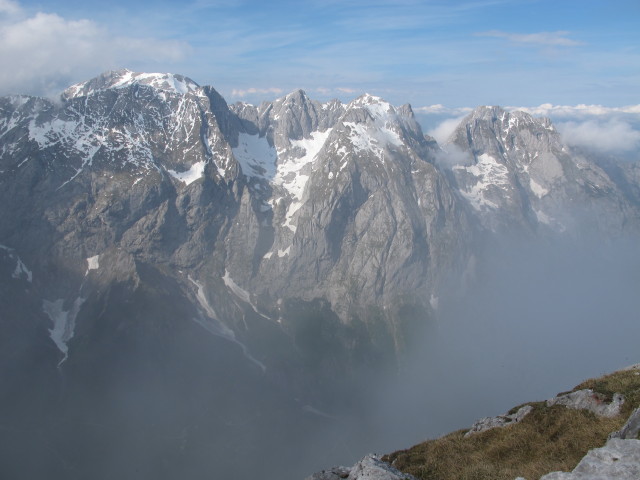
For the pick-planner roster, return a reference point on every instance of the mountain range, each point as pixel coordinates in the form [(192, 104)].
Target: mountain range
[(186, 283)]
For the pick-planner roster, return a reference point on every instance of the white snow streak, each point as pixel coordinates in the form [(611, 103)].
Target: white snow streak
[(216, 327), (240, 292)]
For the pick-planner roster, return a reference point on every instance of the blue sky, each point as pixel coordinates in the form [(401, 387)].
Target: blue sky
[(453, 53)]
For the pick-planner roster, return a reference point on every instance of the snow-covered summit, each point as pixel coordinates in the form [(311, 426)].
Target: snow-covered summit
[(378, 107), (166, 82)]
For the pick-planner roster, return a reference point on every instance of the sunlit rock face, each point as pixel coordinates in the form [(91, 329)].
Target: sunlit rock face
[(176, 268)]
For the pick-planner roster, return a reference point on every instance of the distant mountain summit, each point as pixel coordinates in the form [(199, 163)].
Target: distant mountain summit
[(518, 171), (154, 236)]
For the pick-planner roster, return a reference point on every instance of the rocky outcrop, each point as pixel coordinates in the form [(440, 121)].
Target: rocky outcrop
[(488, 423), (369, 468), (587, 399), (631, 429), (619, 459)]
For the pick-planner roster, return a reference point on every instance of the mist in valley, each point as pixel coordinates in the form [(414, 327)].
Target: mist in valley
[(540, 317)]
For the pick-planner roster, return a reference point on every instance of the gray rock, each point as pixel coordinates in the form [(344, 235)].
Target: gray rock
[(372, 468), (488, 423), (369, 468), (631, 429), (619, 459), (587, 399), (335, 473)]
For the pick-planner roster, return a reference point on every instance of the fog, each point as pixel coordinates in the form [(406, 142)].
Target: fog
[(539, 319)]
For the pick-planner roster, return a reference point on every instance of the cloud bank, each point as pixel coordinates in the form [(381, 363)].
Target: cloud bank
[(604, 136), (582, 110), (42, 53)]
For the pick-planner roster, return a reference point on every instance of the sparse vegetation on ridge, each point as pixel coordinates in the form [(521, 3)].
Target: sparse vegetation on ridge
[(548, 439)]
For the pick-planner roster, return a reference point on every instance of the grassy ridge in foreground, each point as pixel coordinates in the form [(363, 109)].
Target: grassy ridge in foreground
[(548, 439)]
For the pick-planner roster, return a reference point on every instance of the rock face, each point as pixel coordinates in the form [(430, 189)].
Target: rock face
[(369, 468), (631, 429), (160, 244), (619, 459)]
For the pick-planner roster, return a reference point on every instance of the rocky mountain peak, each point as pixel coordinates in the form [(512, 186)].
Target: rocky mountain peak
[(376, 107), (514, 168), (117, 79), (502, 131)]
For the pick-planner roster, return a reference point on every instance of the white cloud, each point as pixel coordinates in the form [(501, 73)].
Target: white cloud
[(554, 39), (443, 131), (9, 7), (43, 53), (549, 110), (452, 156), (612, 135), (253, 91), (439, 109)]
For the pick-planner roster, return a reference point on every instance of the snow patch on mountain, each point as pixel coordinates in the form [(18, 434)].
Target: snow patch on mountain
[(93, 263), (489, 173), (189, 176), (290, 173), (85, 139), (64, 322), (538, 190), (543, 217), (256, 157), (21, 269)]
